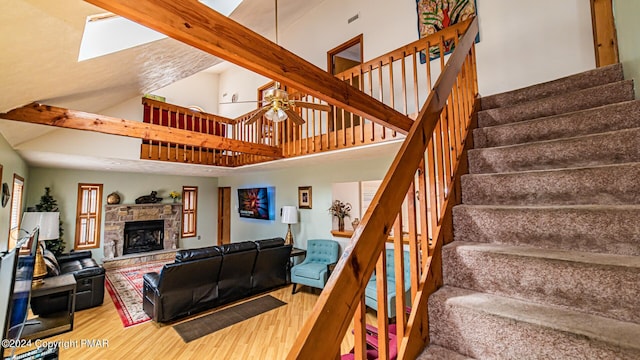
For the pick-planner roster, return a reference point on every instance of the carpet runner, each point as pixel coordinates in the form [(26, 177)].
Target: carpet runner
[(546, 258), (125, 287)]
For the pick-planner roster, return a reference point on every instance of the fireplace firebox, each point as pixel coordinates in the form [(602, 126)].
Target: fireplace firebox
[(143, 236)]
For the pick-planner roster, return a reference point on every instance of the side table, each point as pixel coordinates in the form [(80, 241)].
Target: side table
[(56, 323)]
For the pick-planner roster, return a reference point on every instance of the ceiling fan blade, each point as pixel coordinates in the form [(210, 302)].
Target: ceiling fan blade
[(256, 115), (314, 106), (294, 117)]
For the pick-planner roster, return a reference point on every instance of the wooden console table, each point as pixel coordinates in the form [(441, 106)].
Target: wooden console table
[(57, 323)]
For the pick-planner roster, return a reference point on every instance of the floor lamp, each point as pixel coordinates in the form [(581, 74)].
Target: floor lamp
[(289, 216), (49, 224)]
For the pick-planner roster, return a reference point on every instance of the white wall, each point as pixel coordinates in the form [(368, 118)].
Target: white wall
[(11, 163), (527, 42), (64, 188), (627, 25), (314, 223), (237, 80), (521, 42)]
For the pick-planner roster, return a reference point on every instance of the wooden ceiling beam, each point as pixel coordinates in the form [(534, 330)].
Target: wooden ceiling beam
[(35, 113), (195, 24)]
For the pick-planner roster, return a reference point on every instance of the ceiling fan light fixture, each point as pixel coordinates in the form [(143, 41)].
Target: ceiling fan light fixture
[(281, 115), (270, 114)]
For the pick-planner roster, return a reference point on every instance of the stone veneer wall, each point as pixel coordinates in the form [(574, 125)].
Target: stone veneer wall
[(117, 215)]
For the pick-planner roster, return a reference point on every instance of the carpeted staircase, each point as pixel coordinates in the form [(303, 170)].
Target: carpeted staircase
[(546, 258)]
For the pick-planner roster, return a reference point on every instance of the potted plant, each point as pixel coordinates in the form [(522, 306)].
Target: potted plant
[(340, 210), (174, 195)]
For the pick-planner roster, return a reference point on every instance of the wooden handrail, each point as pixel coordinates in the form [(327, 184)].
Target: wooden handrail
[(323, 332)]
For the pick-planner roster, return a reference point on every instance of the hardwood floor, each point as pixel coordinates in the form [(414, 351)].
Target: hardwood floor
[(266, 336)]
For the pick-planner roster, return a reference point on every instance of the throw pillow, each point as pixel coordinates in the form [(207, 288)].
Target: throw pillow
[(53, 269)]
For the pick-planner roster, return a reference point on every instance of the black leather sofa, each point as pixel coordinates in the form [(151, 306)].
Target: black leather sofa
[(201, 279), (89, 282)]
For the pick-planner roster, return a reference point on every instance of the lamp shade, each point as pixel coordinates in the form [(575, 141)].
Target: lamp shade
[(289, 215), (49, 223)]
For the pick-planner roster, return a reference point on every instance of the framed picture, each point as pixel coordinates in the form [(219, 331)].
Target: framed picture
[(304, 197)]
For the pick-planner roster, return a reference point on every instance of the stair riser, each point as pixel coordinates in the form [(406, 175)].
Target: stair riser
[(605, 185), (485, 336), (600, 230), (603, 290), (560, 104), (616, 147), (599, 76), (602, 119)]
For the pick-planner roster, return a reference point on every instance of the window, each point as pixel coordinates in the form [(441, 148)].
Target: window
[(16, 209), (189, 210), (88, 216)]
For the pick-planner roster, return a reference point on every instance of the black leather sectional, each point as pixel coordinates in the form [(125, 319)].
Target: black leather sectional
[(89, 283), (200, 279)]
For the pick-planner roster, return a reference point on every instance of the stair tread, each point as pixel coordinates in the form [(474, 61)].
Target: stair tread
[(586, 137), (559, 104), (551, 254), (584, 79), (612, 147), (620, 333), (553, 171), (542, 207), (436, 352)]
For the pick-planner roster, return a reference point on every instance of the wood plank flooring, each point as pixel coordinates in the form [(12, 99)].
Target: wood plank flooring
[(266, 336)]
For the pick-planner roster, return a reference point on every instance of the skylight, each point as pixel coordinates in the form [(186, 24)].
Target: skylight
[(109, 33)]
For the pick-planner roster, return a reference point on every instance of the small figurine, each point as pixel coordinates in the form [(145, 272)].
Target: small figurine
[(148, 199)]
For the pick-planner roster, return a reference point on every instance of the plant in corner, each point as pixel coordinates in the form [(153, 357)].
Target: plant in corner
[(49, 204), (340, 210)]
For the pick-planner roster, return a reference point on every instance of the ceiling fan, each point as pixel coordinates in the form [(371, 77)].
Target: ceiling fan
[(276, 103)]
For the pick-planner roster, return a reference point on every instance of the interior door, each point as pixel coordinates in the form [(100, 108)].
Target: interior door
[(224, 215)]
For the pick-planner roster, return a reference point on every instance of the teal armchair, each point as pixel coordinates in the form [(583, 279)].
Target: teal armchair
[(314, 270), (371, 291)]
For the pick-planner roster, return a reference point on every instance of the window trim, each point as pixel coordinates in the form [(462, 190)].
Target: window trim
[(79, 214), (188, 209), (14, 230)]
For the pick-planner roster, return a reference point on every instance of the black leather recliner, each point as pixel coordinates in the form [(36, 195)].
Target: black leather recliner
[(187, 286), (237, 268), (89, 282), (272, 265)]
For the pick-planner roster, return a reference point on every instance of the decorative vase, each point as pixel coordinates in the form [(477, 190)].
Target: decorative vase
[(340, 224), (113, 198), (355, 223)]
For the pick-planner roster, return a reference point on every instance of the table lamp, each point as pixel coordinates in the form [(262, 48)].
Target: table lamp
[(49, 224), (289, 216)]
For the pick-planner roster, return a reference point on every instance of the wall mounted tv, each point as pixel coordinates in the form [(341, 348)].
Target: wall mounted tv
[(256, 203)]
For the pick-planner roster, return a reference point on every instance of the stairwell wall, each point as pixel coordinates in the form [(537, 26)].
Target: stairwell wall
[(627, 26)]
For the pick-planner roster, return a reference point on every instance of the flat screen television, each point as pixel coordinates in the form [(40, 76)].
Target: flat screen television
[(18, 269), (255, 203)]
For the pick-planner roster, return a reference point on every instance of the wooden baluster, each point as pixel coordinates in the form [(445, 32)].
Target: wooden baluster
[(359, 333), (383, 321), (416, 97), (413, 238), (351, 120), (398, 259), (445, 119), (404, 83), (423, 202), (373, 128), (335, 128), (362, 119), (313, 130), (440, 171), (344, 125), (441, 49), (381, 97), (428, 66), (392, 97)]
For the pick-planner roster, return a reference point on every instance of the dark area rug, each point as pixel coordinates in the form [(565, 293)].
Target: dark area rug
[(197, 328)]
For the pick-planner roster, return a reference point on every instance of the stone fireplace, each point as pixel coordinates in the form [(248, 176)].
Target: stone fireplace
[(139, 228)]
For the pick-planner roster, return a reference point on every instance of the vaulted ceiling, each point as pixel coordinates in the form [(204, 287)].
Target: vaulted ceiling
[(41, 39)]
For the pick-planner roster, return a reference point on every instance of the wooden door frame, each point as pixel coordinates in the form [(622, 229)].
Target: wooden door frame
[(349, 43), (605, 38), (224, 215)]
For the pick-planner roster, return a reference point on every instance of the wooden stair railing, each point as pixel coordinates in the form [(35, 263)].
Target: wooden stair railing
[(431, 161)]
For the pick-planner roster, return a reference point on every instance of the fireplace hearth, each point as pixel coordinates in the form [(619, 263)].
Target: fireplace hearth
[(143, 236)]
